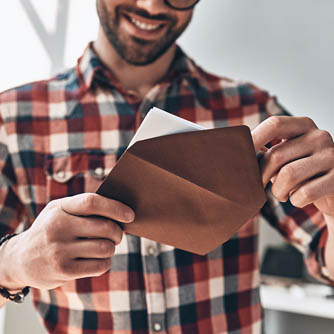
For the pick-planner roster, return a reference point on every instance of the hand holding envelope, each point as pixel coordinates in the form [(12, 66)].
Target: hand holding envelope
[(191, 190)]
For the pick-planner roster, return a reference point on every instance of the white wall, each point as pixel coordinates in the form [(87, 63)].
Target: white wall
[(286, 46), (23, 57)]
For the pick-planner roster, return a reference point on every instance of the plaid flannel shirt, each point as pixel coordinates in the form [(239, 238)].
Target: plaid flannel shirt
[(60, 137)]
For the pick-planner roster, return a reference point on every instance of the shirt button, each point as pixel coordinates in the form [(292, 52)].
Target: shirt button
[(157, 327), (60, 175), (150, 250), (99, 172)]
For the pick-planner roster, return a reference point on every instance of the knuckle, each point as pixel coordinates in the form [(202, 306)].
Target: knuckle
[(101, 267), (105, 227), (51, 232), (275, 155), (64, 268), (275, 121), (324, 137), (106, 248), (119, 237), (301, 198), (105, 265), (89, 200), (110, 229), (295, 201), (53, 204), (278, 194), (287, 173), (305, 195), (117, 209), (330, 153), (310, 123), (117, 233)]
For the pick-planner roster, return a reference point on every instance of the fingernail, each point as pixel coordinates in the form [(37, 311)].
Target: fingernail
[(129, 215)]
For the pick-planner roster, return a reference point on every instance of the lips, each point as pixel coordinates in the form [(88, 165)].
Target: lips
[(142, 27)]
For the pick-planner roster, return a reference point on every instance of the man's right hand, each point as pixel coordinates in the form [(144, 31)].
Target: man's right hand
[(73, 237)]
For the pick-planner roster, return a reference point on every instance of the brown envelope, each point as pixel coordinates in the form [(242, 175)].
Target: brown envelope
[(190, 190)]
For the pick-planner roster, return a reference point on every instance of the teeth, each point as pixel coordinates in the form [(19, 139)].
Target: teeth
[(144, 26)]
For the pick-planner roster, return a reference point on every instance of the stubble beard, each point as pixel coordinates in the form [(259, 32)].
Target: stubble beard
[(135, 51)]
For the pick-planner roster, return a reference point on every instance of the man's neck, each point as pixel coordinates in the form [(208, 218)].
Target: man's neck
[(139, 79)]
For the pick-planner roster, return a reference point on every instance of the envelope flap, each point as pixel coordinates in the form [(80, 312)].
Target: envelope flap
[(172, 210), (220, 160)]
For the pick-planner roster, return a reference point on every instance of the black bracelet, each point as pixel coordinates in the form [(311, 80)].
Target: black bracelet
[(17, 297)]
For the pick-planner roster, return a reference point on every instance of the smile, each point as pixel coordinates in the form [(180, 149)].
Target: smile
[(144, 26)]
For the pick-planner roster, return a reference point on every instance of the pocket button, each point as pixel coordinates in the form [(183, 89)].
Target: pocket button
[(60, 176), (99, 172)]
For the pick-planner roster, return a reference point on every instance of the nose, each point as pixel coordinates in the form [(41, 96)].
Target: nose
[(153, 6)]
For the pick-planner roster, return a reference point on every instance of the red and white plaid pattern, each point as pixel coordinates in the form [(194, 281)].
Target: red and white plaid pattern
[(60, 137)]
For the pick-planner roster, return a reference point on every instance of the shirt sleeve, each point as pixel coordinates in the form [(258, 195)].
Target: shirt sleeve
[(305, 228), (11, 208)]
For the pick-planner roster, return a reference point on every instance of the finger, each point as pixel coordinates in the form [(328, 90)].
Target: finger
[(300, 172), (313, 190), (283, 153), (81, 268), (88, 204), (92, 249), (96, 228), (280, 127)]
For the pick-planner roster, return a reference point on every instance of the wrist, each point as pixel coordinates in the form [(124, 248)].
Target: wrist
[(10, 277)]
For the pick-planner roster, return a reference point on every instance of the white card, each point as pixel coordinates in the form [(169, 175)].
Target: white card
[(161, 123)]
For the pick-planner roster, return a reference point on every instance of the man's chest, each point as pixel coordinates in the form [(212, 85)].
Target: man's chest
[(76, 146)]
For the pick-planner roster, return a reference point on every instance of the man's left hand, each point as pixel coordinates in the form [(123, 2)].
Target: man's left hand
[(300, 164)]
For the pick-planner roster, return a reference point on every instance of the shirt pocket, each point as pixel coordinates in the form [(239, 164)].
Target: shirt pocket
[(75, 173)]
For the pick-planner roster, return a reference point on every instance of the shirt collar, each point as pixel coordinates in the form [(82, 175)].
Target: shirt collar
[(92, 71)]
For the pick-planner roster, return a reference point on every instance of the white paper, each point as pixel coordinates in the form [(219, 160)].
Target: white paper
[(161, 123)]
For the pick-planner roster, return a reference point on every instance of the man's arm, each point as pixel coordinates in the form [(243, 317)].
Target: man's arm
[(11, 209)]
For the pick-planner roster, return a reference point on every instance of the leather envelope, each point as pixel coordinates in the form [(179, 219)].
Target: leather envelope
[(189, 190)]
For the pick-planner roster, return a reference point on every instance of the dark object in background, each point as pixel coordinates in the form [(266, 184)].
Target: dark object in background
[(284, 261)]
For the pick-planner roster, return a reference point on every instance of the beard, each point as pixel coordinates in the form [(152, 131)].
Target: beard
[(136, 51)]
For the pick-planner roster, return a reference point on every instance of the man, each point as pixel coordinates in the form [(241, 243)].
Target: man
[(60, 137)]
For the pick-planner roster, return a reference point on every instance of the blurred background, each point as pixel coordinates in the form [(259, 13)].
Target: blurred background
[(286, 47)]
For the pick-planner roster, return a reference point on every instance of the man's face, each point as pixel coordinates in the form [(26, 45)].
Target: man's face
[(141, 30)]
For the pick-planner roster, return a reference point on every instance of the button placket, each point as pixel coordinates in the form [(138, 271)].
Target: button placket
[(153, 279)]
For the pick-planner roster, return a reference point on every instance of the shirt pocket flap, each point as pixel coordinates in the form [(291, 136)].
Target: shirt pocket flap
[(78, 172)]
